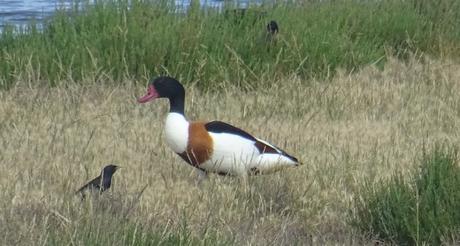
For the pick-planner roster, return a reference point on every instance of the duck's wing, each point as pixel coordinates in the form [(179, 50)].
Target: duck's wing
[(263, 146), (222, 127), (267, 148)]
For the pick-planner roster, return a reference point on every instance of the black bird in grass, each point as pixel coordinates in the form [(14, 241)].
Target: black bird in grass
[(272, 30), (101, 182), (272, 27)]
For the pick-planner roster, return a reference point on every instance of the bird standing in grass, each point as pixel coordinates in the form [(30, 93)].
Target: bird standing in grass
[(214, 146), (271, 34), (272, 29), (101, 182)]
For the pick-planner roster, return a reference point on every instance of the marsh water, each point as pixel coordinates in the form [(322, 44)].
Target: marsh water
[(20, 12)]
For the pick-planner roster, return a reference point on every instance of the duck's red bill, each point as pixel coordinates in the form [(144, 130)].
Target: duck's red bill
[(151, 94)]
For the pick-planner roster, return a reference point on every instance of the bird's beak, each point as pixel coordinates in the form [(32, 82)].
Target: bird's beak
[(151, 94)]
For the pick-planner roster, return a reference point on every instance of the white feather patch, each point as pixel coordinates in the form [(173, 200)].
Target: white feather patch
[(237, 155), (176, 130)]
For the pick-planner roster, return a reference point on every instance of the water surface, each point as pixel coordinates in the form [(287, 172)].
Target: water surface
[(20, 12)]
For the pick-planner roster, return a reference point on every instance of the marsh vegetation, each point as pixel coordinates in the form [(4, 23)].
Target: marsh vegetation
[(362, 93)]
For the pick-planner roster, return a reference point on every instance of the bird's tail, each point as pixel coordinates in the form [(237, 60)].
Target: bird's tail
[(300, 163)]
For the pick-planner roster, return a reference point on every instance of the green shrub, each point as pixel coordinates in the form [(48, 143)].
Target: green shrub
[(423, 208)]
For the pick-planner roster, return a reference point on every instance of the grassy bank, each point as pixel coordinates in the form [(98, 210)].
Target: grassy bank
[(364, 127), (420, 208), (110, 40)]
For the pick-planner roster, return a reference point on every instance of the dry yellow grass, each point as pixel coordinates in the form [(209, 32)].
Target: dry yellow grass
[(345, 130)]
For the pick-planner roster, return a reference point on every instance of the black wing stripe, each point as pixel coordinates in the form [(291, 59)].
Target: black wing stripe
[(222, 127), (265, 148)]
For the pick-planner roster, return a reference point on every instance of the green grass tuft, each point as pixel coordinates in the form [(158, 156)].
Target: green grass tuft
[(420, 209), (113, 40)]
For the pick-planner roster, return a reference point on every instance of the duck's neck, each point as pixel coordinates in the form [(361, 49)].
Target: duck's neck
[(176, 105), (176, 127)]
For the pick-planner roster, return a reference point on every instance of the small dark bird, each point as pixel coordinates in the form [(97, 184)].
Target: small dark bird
[(101, 182), (272, 28), (271, 33)]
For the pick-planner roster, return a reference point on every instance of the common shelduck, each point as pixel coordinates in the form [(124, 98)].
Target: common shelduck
[(214, 146)]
